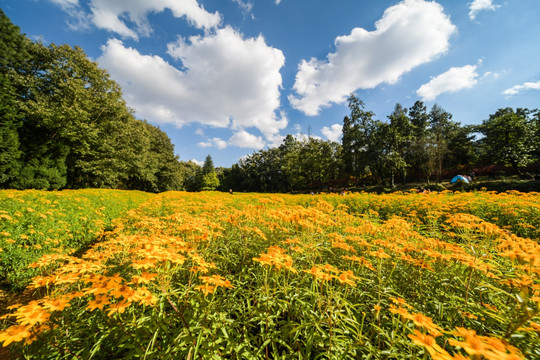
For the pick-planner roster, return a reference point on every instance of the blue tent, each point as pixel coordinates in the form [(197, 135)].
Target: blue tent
[(457, 178)]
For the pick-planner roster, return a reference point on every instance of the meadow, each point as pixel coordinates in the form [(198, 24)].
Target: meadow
[(116, 275)]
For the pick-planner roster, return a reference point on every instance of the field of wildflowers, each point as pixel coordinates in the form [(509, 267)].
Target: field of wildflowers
[(253, 276)]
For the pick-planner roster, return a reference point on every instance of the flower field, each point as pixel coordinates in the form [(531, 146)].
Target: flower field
[(116, 275)]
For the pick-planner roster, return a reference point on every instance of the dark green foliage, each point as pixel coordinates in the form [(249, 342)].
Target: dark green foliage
[(64, 124), (192, 175), (9, 138), (208, 166), (12, 52), (296, 165), (208, 179), (511, 137)]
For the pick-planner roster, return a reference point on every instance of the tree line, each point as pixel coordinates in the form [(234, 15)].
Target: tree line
[(411, 145)]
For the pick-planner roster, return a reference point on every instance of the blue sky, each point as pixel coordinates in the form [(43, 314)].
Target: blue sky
[(229, 77)]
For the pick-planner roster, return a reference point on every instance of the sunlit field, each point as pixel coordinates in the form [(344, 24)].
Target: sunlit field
[(111, 274)]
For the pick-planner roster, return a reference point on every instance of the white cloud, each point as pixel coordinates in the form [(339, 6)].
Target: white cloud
[(478, 5), (277, 2), (66, 4), (244, 139), (200, 163), (491, 74), (246, 6), (333, 133), (409, 34), (227, 81), (274, 140), (529, 85), (214, 142), (111, 15), (79, 19), (455, 79)]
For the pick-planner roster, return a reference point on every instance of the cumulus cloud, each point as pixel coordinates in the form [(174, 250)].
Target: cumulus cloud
[(226, 81), (455, 79), (409, 34), (478, 5), (214, 142), (244, 139), (111, 15), (529, 85), (333, 133)]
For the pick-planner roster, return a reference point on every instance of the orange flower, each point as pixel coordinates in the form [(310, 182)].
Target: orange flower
[(32, 314), (428, 342), (422, 340), (276, 256), (216, 280), (123, 291), (319, 273), (57, 304), (427, 323), (118, 307), (144, 278), (144, 296), (206, 289), (347, 277), (379, 253), (15, 333), (98, 303)]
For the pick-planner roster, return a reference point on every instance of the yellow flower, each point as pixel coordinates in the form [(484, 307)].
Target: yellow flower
[(118, 307), (216, 280), (347, 277), (123, 291), (428, 342), (144, 296), (205, 289), (422, 340), (98, 303), (31, 314), (144, 278), (57, 304), (15, 333), (276, 256), (401, 302)]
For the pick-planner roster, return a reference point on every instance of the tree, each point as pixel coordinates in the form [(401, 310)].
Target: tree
[(319, 164), (208, 166), (191, 175), (209, 179), (462, 149), (290, 166), (400, 139), (536, 126), (358, 131), (10, 152), (64, 123), (13, 51), (440, 123), (509, 138)]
